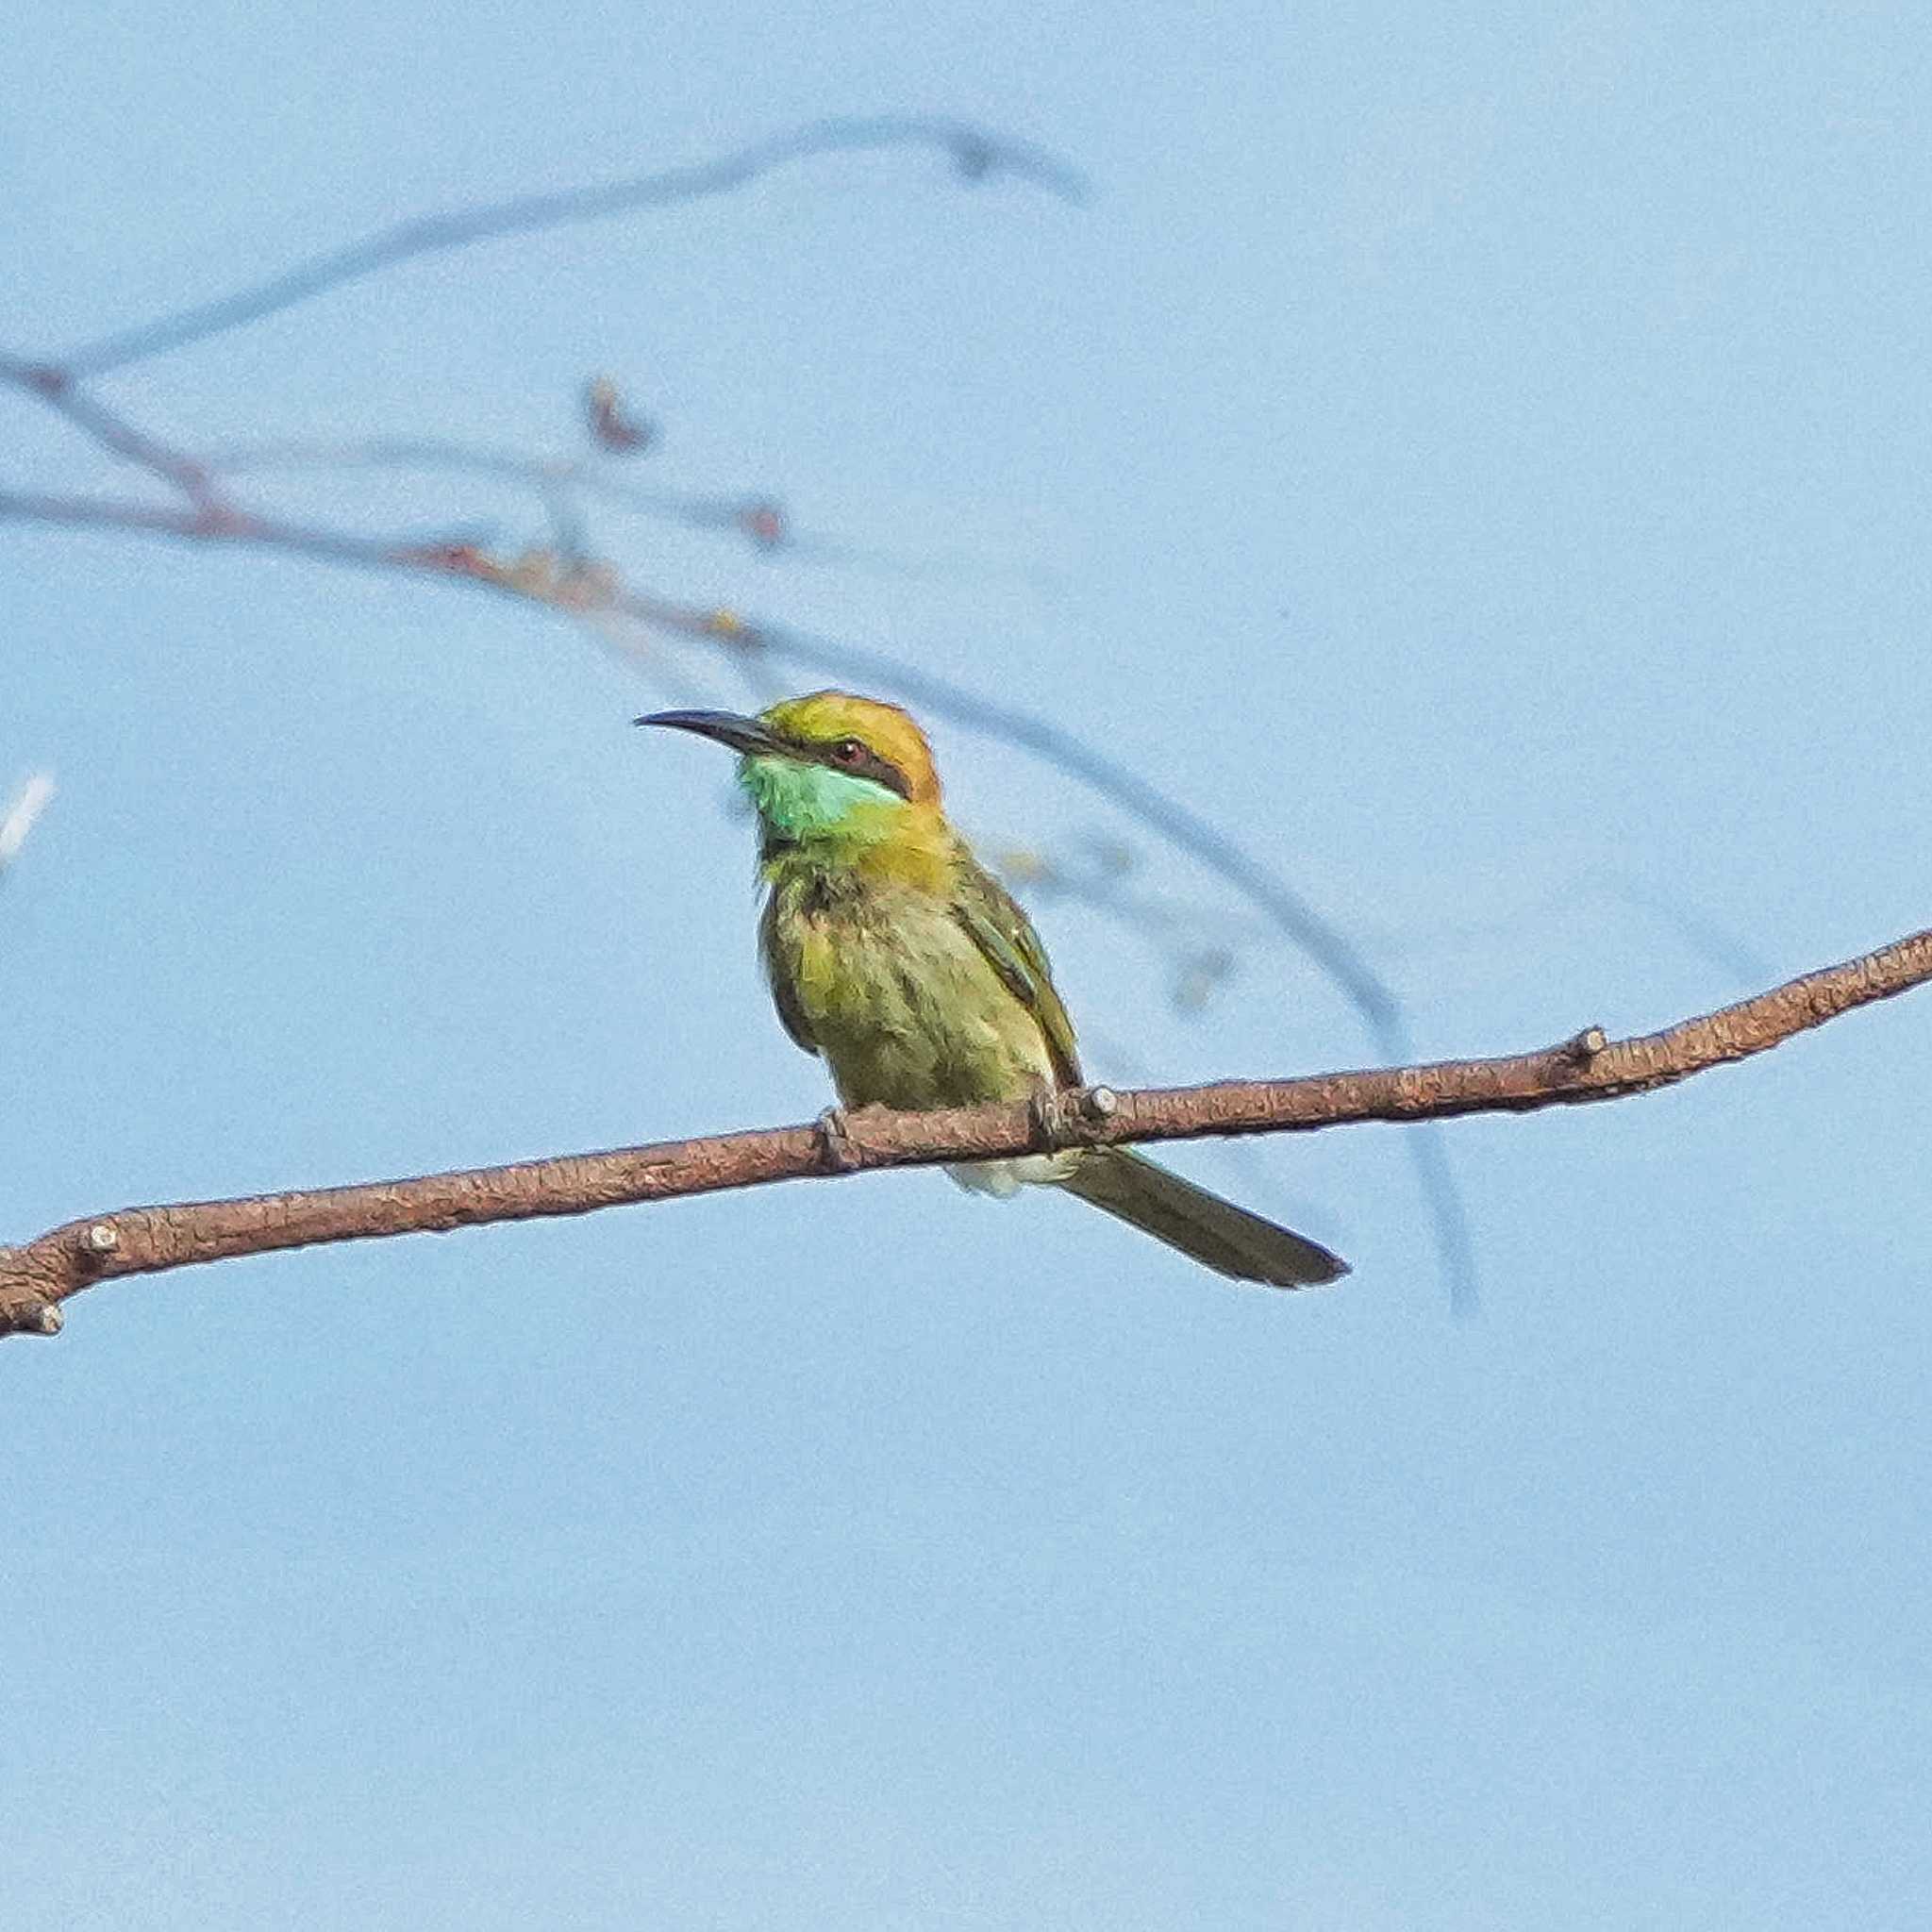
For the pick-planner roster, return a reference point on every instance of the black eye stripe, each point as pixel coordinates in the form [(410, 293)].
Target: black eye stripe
[(868, 764)]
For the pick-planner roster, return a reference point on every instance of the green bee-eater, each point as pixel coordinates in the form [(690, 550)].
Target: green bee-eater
[(894, 955)]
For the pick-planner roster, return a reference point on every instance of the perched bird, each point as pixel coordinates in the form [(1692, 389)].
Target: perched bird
[(894, 955)]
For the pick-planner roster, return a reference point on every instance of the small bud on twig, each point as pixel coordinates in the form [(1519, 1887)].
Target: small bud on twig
[(1584, 1046), (611, 425), (765, 522)]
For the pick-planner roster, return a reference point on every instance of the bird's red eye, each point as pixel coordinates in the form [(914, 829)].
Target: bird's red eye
[(848, 751)]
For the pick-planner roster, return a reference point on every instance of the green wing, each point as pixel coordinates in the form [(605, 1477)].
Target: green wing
[(778, 977), (1004, 933)]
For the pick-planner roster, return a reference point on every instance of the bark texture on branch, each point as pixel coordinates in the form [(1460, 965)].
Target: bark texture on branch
[(36, 1276)]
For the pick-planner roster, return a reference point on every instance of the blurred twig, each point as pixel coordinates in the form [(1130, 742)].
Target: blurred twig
[(28, 803), (975, 153), (758, 519), (1197, 947), (761, 520)]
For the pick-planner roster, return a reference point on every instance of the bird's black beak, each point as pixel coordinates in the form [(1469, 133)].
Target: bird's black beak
[(746, 736)]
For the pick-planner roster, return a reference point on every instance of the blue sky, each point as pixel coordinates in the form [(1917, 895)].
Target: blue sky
[(1478, 457)]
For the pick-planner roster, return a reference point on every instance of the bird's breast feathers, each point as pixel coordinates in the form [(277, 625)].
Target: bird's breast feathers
[(885, 981)]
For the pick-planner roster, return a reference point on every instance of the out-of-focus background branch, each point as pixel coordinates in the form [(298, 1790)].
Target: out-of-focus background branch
[(20, 814)]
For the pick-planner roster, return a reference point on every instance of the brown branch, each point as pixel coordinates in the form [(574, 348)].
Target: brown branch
[(39, 1274)]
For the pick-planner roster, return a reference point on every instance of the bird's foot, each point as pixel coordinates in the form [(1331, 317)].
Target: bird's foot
[(835, 1142), (1065, 1117), (1048, 1110)]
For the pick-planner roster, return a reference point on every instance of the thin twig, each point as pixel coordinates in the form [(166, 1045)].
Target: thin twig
[(463, 562), (38, 1276), (975, 155), (758, 519), (54, 385)]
